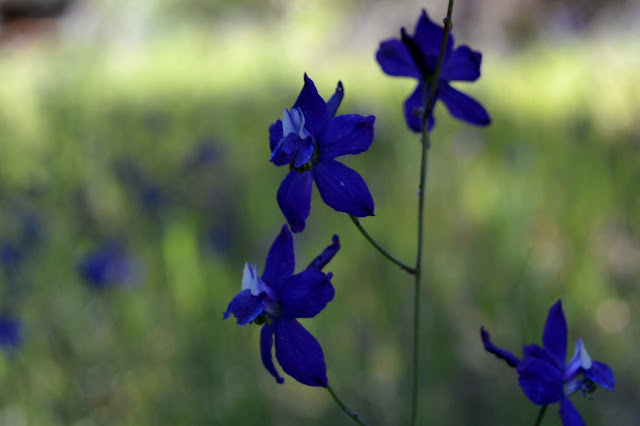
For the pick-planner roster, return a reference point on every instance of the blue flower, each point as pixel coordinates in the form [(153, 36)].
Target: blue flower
[(417, 56), (10, 333), (107, 266), (543, 375), (276, 299), (308, 138)]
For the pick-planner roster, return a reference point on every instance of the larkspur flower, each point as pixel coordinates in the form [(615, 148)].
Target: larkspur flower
[(275, 300), (308, 139), (543, 375), (107, 266), (417, 56)]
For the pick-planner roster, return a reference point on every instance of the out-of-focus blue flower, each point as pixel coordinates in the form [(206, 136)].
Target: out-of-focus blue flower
[(276, 299), (543, 375), (417, 56), (151, 195), (10, 333), (308, 139), (204, 154), (10, 256), (107, 266), (220, 236)]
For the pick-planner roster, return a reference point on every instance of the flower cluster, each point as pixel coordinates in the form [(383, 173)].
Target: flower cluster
[(542, 373), (308, 139)]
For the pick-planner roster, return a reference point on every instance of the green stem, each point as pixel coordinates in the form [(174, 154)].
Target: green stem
[(436, 75), (385, 253), (543, 409), (424, 165), (354, 416)]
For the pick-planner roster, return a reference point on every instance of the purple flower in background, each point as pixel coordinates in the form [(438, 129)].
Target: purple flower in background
[(308, 139), (10, 258), (417, 56), (148, 193), (10, 333), (276, 299), (543, 375), (205, 154), (107, 266)]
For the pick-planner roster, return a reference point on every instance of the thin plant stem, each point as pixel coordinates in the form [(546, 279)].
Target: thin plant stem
[(410, 269), (543, 409), (354, 416), (424, 165)]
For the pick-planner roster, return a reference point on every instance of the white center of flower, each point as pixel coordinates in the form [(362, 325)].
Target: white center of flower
[(293, 122), (251, 280), (581, 355), (571, 376)]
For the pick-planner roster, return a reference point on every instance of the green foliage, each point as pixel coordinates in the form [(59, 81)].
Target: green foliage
[(541, 205)]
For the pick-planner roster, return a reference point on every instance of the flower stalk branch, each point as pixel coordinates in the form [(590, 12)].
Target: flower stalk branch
[(410, 269), (543, 409), (354, 416), (424, 165)]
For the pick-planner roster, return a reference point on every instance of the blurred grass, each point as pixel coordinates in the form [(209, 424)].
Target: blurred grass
[(539, 206)]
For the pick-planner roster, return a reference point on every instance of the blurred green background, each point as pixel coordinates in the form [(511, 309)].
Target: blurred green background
[(148, 121)]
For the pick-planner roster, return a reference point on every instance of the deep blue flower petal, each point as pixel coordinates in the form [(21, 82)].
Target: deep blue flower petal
[(245, 306), (412, 109), (343, 189), (334, 103), (569, 414), (275, 134), (394, 59), (290, 148), (601, 374), (327, 254), (312, 106), (541, 381), (554, 337), (505, 355), (535, 351), (346, 134), (305, 294), (463, 107), (429, 36), (280, 260), (424, 63), (463, 64), (300, 354), (304, 153), (294, 198), (266, 341)]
